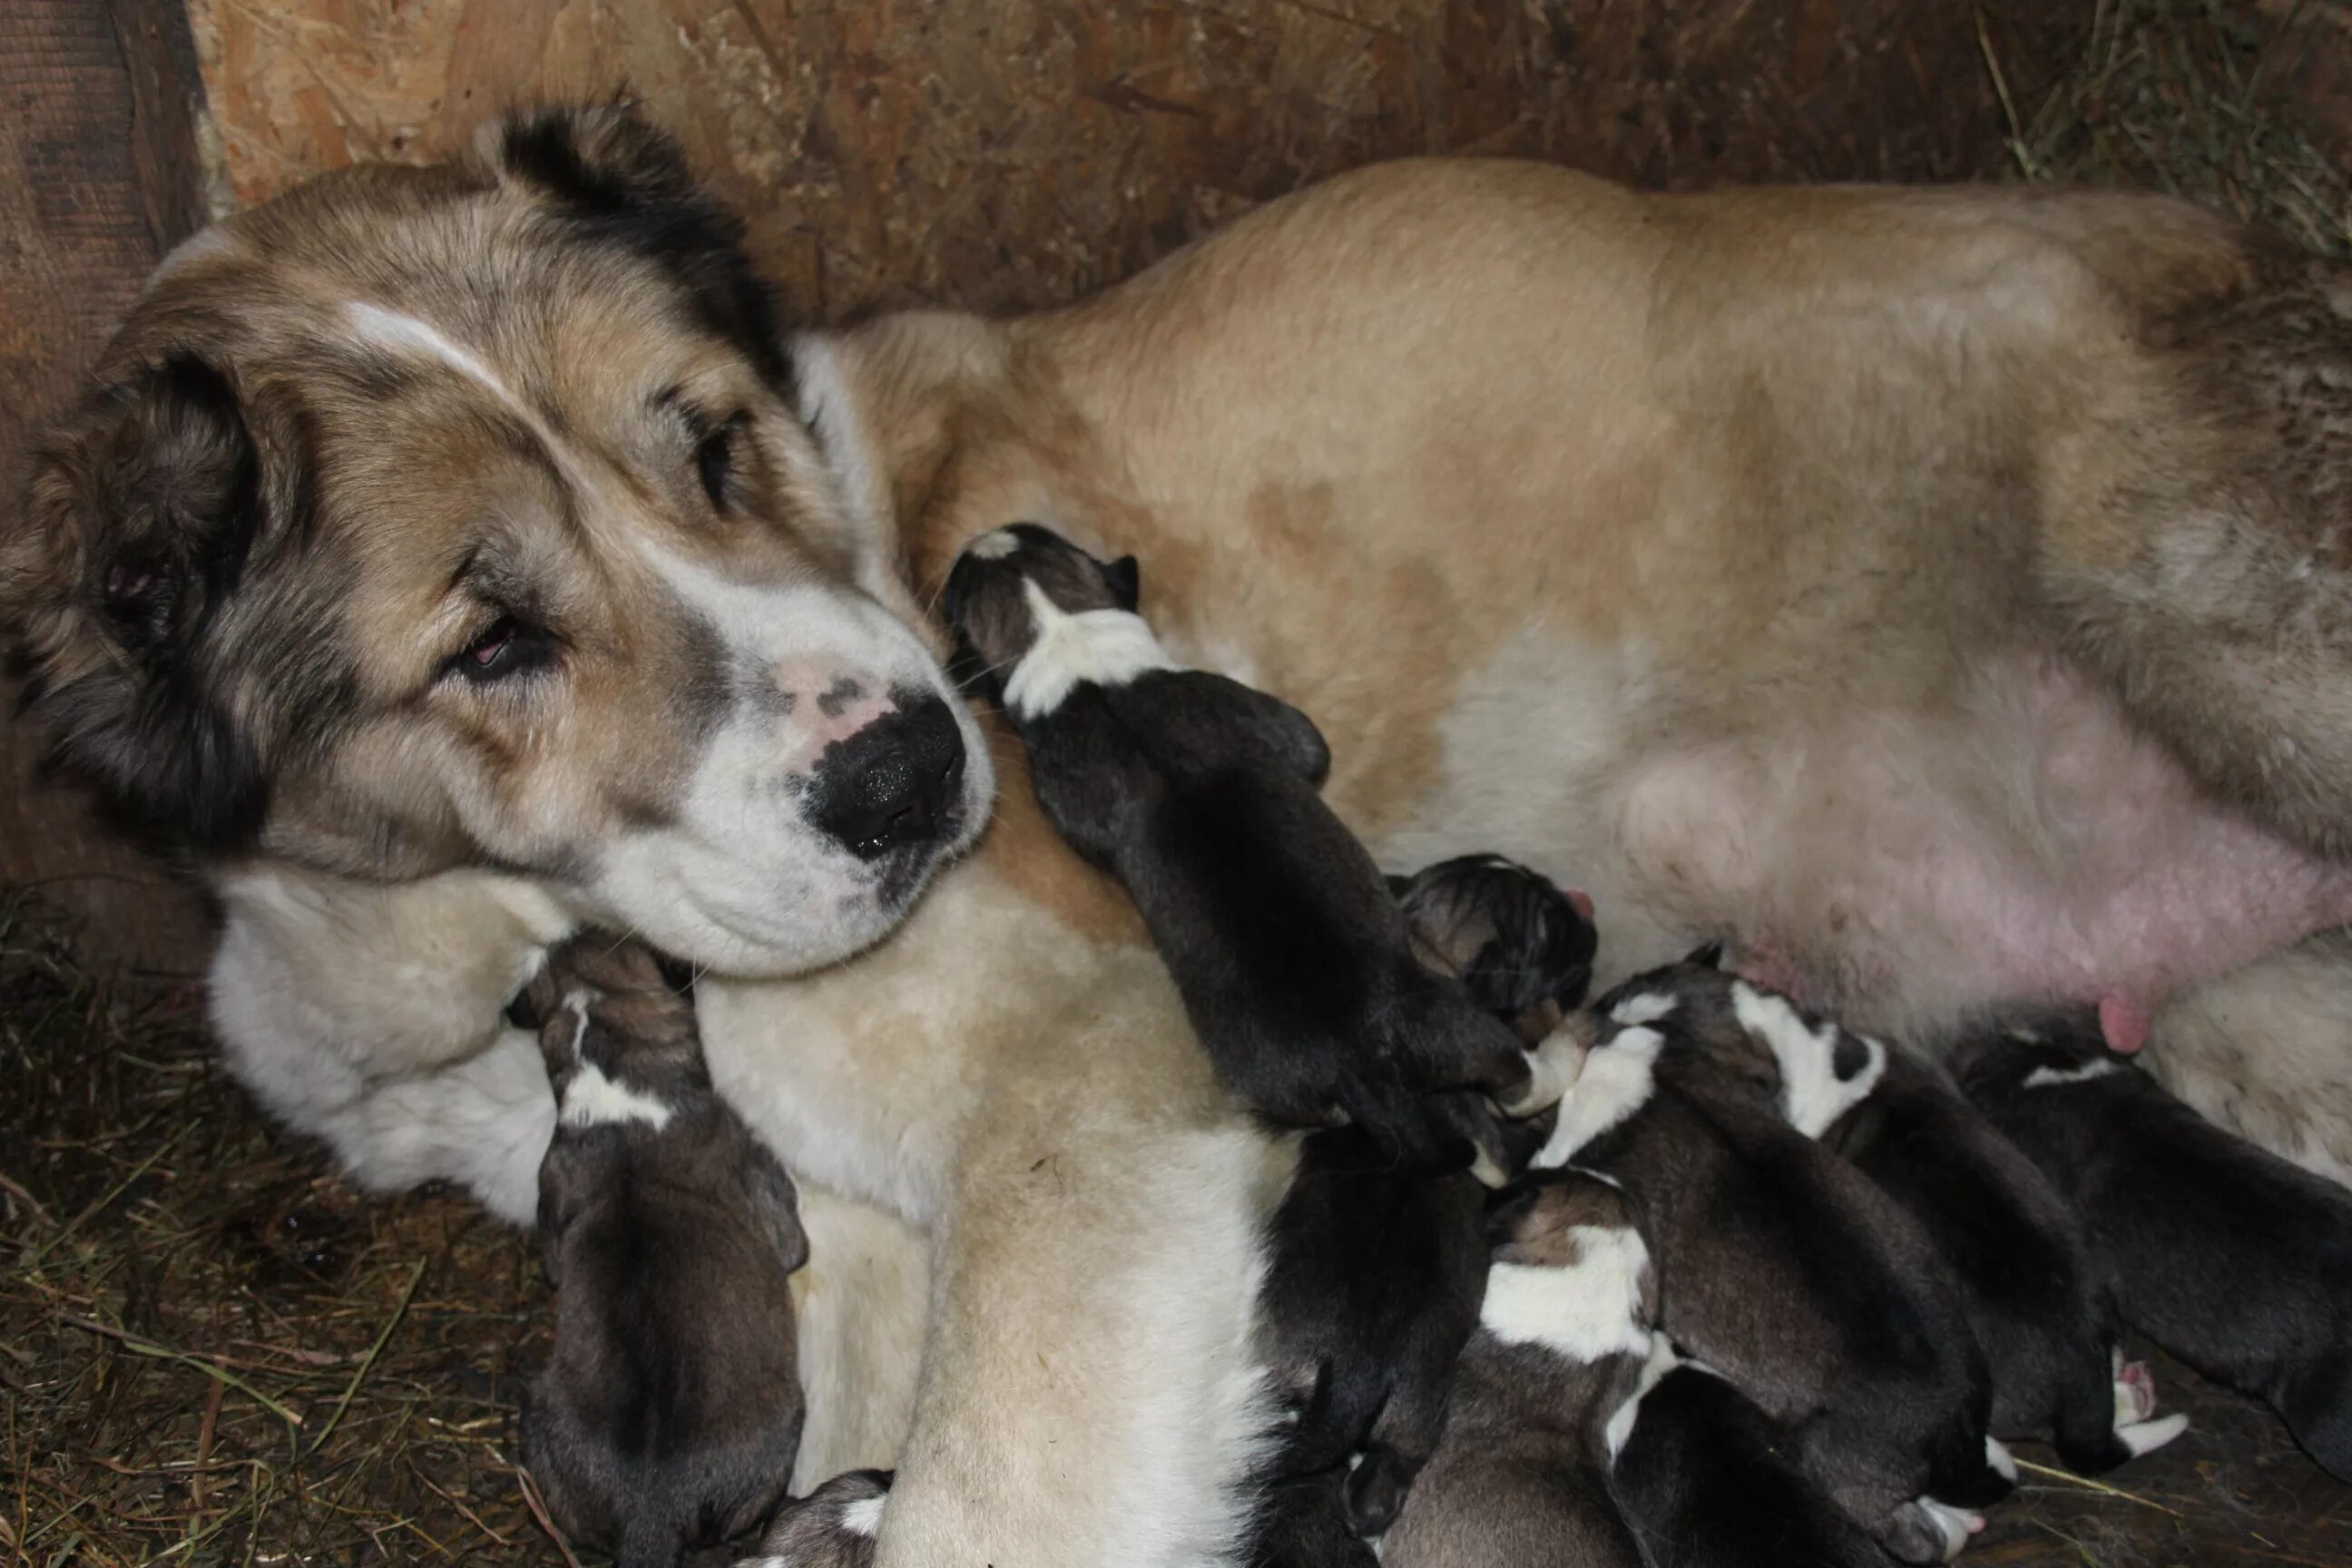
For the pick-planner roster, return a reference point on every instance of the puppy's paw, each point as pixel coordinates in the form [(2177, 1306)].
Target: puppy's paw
[(1924, 1530), (833, 1526), (2134, 1391)]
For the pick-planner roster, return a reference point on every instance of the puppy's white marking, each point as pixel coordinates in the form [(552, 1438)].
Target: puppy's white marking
[(1663, 1360), (2003, 1462), (1101, 647), (1552, 1067), (2147, 1436), (1591, 1308), (1616, 1082), (1647, 1007), (592, 1100), (1955, 1525), (864, 1517), (993, 545), (1812, 1095), (2052, 1078)]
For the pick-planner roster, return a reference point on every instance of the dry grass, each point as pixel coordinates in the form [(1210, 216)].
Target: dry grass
[(2197, 98), (211, 1350)]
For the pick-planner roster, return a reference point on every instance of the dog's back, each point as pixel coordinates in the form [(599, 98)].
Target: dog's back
[(669, 1413), (2232, 1258)]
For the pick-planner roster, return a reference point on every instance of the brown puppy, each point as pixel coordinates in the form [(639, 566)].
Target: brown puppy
[(670, 1412)]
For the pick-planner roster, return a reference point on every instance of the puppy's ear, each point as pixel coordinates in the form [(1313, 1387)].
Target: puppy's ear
[(1125, 581), (614, 179), (1706, 955), (135, 532)]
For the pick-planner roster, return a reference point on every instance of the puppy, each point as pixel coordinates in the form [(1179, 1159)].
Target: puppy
[(1709, 1481), (1791, 1272), (833, 1526), (2232, 1258), (1522, 946), (1521, 1477), (2035, 1295), (1373, 1287), (670, 1412), (1200, 795)]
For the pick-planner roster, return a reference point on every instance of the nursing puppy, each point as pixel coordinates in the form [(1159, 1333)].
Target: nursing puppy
[(2232, 1258), (1521, 1477), (1791, 1272), (2036, 1295), (670, 1412), (1522, 947), (1372, 1287), (835, 1526), (1199, 795)]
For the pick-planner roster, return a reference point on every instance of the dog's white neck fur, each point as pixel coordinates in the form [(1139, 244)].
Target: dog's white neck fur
[(1097, 648), (592, 1100), (1588, 1309), (2052, 1078), (1616, 1081), (1812, 1095)]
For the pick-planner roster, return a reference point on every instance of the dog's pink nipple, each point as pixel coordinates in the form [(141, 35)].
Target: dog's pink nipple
[(1583, 903), (2125, 1023)]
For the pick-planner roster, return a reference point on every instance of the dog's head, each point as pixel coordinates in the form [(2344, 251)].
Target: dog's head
[(468, 515)]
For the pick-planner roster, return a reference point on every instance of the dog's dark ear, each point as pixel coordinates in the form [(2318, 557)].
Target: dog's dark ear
[(1125, 580), (614, 179), (135, 532)]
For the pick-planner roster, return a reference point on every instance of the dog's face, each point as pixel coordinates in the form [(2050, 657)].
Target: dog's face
[(467, 516)]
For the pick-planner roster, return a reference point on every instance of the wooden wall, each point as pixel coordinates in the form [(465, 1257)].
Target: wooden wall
[(1004, 153)]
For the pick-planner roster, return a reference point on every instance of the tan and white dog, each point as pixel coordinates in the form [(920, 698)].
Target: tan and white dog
[(1946, 593)]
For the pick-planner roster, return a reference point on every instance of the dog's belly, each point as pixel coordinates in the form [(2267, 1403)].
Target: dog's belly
[(2016, 842)]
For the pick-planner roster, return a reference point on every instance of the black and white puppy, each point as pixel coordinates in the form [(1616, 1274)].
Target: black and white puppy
[(1788, 1270), (2228, 1256), (1522, 946), (2036, 1296), (1522, 1476), (835, 1526), (1201, 795), (1372, 1286), (670, 1412)]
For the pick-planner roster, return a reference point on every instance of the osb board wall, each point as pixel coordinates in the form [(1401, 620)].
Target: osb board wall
[(1012, 152)]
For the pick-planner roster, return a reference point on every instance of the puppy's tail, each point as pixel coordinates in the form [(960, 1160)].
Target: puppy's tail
[(651, 1538)]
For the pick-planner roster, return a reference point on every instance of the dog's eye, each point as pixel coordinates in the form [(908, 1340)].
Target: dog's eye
[(506, 646), (714, 460)]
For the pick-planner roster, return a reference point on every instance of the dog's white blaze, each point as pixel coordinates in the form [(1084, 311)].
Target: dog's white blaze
[(1813, 1095), (1647, 1007), (592, 1100), (1663, 1360), (994, 545), (2053, 1078), (1101, 647), (1617, 1080), (864, 1517), (1588, 1309)]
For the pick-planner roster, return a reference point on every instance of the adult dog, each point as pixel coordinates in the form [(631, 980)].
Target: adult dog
[(1942, 593)]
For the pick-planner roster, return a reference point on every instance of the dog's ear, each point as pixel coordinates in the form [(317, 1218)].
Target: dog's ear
[(135, 532), (1124, 578), (614, 179)]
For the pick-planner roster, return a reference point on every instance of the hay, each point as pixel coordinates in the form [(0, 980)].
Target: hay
[(211, 1350), (2197, 98)]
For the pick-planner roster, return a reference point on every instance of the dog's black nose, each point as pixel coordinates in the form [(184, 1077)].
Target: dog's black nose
[(892, 783)]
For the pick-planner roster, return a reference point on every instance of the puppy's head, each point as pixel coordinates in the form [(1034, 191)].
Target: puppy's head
[(467, 516), (2038, 1050), (1571, 1268), (603, 1001), (1032, 615), (1522, 946)]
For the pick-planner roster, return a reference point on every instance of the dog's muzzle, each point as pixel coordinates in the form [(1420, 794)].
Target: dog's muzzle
[(894, 783)]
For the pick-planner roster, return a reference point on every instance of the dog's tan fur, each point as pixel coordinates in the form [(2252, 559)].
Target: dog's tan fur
[(1579, 520)]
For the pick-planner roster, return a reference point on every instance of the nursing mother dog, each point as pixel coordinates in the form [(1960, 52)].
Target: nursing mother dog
[(1945, 594)]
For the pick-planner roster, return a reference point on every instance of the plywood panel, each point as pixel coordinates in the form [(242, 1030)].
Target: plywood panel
[(1004, 153)]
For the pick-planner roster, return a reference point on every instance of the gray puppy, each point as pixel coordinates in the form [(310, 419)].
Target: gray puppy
[(670, 1412), (1788, 1270), (833, 1526)]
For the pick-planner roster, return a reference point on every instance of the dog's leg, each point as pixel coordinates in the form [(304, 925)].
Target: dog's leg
[(862, 1300), (2267, 1053), (1090, 1391)]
